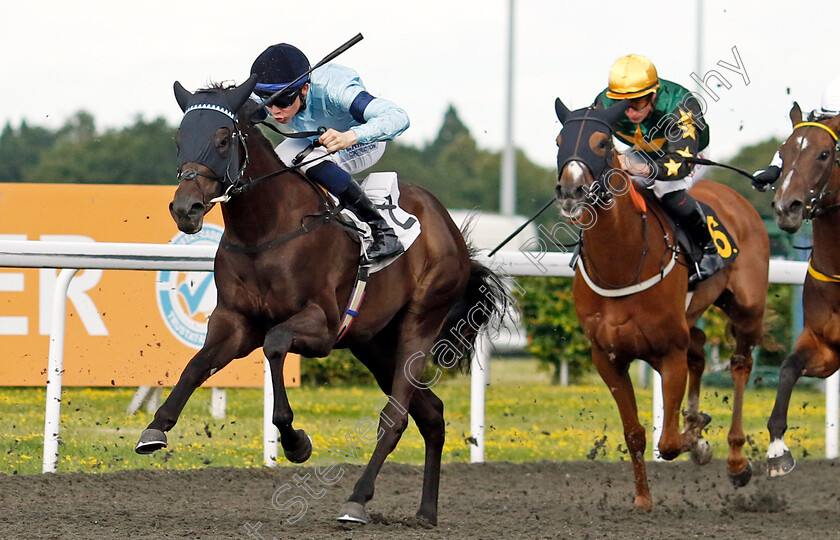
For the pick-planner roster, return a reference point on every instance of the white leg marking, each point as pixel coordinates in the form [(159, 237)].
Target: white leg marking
[(777, 448)]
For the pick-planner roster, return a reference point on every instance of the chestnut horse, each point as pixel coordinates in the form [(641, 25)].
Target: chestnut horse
[(810, 189), (632, 301), (284, 273)]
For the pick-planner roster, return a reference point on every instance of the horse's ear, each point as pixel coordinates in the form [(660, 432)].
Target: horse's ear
[(561, 110), (239, 95), (250, 112), (795, 114), (615, 111), (834, 123), (182, 95)]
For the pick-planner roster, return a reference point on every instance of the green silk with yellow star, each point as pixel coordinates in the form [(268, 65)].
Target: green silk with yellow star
[(675, 112)]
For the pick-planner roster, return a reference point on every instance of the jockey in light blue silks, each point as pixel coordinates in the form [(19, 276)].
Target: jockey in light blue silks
[(357, 126)]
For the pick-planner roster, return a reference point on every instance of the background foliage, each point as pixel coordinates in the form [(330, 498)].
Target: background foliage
[(452, 166)]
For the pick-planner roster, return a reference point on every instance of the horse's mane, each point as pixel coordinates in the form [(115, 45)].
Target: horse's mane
[(217, 86)]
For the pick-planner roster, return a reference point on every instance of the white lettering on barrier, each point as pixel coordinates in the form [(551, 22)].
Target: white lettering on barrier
[(89, 315), (76, 294), (11, 325)]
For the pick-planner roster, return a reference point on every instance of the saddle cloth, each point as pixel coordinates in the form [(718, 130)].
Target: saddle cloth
[(384, 191), (725, 243)]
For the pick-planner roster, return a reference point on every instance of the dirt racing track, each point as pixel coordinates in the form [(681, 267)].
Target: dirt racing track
[(480, 501)]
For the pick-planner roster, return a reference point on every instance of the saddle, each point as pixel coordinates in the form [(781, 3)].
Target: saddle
[(383, 190)]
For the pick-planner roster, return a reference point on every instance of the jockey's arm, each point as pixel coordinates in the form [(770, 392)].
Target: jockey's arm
[(682, 133)]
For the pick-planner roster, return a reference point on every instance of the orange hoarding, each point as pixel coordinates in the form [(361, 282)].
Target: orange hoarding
[(123, 327)]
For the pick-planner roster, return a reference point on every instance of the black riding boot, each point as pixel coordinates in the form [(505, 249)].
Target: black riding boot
[(385, 243), (686, 211)]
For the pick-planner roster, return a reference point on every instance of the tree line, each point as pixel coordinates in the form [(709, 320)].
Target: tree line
[(451, 166)]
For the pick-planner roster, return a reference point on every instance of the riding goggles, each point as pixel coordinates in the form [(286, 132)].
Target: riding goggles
[(286, 99)]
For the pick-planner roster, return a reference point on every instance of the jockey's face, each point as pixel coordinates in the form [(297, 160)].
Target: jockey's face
[(284, 115), (640, 108)]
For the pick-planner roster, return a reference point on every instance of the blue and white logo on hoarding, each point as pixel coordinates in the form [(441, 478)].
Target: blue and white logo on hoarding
[(186, 299)]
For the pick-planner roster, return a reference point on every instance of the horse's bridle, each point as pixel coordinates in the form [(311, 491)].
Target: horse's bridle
[(812, 209)]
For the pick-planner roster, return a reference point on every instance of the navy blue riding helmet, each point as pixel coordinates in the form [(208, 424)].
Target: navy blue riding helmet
[(276, 68)]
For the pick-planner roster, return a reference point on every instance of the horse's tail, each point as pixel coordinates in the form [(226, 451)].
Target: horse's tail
[(481, 307)]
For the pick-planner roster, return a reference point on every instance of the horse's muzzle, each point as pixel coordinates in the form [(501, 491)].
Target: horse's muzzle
[(789, 214), (188, 217)]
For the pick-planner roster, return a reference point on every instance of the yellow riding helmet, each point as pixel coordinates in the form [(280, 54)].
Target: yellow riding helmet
[(632, 76)]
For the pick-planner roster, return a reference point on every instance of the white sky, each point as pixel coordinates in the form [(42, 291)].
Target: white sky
[(118, 60)]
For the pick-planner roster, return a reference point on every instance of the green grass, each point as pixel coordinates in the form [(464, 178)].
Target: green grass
[(527, 420)]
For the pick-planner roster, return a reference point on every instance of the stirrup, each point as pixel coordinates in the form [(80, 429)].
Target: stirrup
[(385, 245), (706, 266)]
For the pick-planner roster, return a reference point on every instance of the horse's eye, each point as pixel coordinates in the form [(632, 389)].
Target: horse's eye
[(602, 144), (823, 155)]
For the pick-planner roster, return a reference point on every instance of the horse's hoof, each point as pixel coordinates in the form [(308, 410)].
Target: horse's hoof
[(301, 454), (150, 440), (352, 512), (424, 520), (742, 478), (643, 504), (781, 465), (702, 452)]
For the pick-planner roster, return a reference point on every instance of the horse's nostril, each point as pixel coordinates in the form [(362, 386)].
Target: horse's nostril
[(197, 208)]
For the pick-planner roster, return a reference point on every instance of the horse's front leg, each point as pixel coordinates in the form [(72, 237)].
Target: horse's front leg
[(695, 421), (305, 331), (810, 357), (618, 381), (673, 368), (226, 340)]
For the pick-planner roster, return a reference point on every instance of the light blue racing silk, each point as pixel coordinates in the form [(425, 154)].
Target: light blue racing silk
[(337, 99)]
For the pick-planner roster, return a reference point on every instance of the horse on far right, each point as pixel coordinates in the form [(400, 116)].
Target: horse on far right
[(809, 190)]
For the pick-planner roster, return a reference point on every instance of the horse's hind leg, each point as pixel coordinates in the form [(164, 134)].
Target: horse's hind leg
[(618, 381), (402, 389), (427, 410), (695, 421), (223, 344), (738, 466)]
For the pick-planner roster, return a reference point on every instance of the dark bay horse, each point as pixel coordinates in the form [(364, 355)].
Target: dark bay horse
[(632, 300), (284, 274), (809, 189)]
